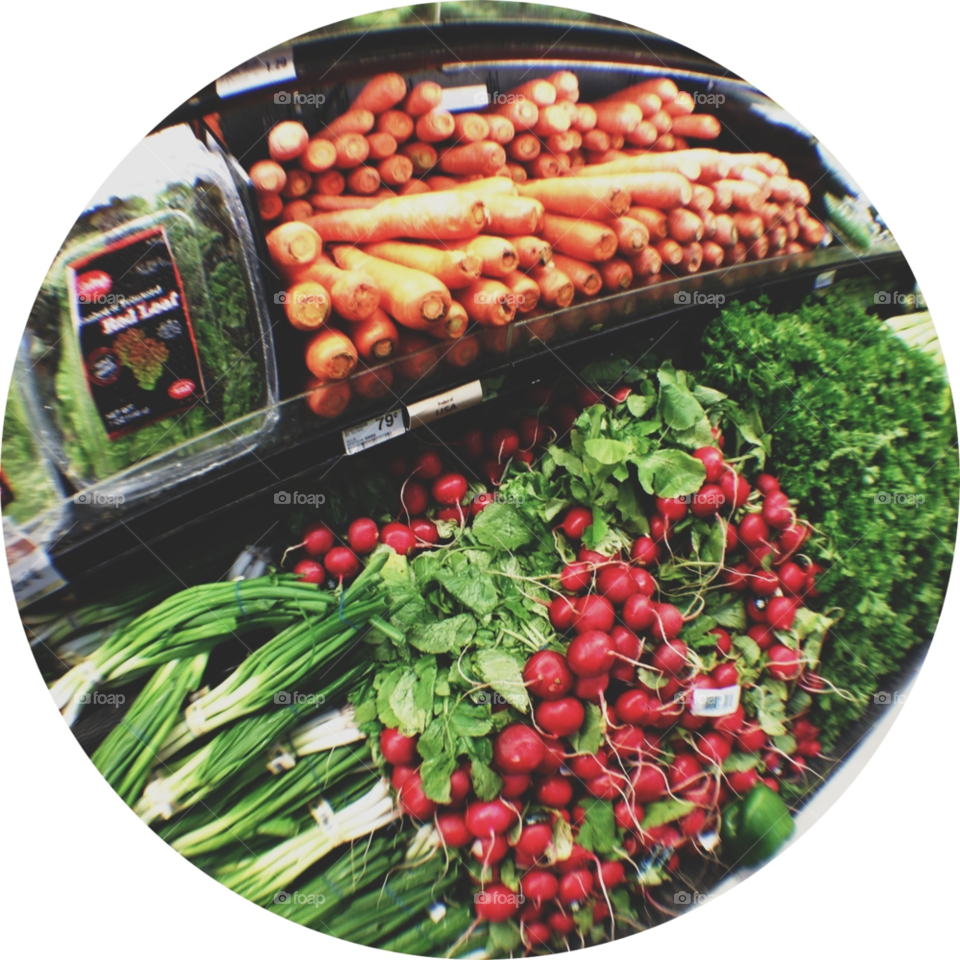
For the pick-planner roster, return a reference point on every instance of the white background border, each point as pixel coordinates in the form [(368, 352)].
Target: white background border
[(83, 82)]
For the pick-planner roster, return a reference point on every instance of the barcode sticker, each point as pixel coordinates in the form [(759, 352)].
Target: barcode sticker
[(274, 66), (472, 97), (372, 432), (31, 571), (715, 703), (443, 404)]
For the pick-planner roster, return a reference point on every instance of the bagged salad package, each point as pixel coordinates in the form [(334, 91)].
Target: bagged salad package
[(149, 344)]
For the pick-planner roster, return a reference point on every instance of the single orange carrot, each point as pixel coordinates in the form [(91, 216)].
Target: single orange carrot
[(353, 121), (318, 156), (524, 289), (654, 220), (296, 210), (270, 205), (584, 276), (438, 181), (330, 355), (299, 184), (397, 123), (488, 302), (363, 180), (307, 305), (376, 337), (381, 93), (632, 235), (331, 183), (293, 244), (643, 135), (692, 257), (712, 254), (709, 225), (543, 167), (287, 140), (745, 196), (470, 127), (532, 251), (566, 85), (616, 275), (447, 215), (596, 198), (795, 247), (541, 92), (498, 256), (812, 232), (617, 117), (434, 126), (518, 173), (663, 190), (749, 225), (500, 128), (758, 249), (586, 118), (422, 155), (556, 288), (778, 238), (665, 143), (484, 157), (699, 126), (352, 150), (411, 297), (354, 295), (564, 142), (646, 263), (453, 268), (582, 239), (684, 226), (671, 253), (523, 114), (509, 216), (328, 400), (680, 104), (422, 98), (552, 119), (395, 170), (267, 176), (381, 145), (372, 384), (702, 199), (596, 140), (524, 147)]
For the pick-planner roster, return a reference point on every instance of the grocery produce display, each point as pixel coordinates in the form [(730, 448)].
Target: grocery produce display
[(495, 508)]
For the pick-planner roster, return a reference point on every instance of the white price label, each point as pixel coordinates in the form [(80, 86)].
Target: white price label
[(274, 66), (472, 97), (443, 404), (715, 703), (31, 571), (824, 279), (369, 434)]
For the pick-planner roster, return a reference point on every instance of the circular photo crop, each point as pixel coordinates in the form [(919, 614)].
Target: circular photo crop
[(469, 484)]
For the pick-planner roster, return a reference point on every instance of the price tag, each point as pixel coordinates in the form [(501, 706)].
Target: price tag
[(274, 66), (369, 434), (443, 404), (824, 279), (472, 97), (715, 703), (31, 571)]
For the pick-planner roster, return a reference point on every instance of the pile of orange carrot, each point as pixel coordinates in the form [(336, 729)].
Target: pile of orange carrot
[(399, 223)]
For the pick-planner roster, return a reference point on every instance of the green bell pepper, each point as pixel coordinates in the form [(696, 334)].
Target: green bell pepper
[(756, 827)]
